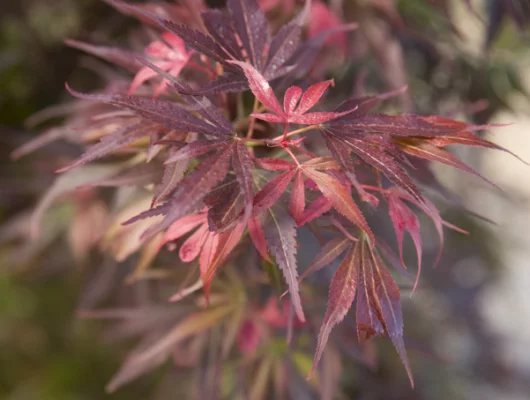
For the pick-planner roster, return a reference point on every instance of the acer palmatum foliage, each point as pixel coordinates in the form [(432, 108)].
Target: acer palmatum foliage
[(226, 184)]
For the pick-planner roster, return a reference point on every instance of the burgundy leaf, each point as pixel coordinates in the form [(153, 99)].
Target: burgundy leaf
[(341, 294), (226, 204), (272, 191), (260, 87), (318, 207), (194, 187), (297, 201), (280, 232), (341, 153), (387, 300), (396, 125), (377, 158), (366, 313), (341, 199)]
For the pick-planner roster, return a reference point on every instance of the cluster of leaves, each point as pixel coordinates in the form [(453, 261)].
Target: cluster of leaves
[(233, 178)]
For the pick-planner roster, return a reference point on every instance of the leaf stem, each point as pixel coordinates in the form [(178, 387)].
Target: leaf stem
[(295, 132)]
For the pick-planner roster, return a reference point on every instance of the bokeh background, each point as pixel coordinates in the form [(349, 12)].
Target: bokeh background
[(468, 324)]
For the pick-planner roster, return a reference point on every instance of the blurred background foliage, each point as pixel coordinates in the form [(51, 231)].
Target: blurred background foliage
[(48, 353)]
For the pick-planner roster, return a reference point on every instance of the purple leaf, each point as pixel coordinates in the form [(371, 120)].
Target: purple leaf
[(251, 25), (166, 113), (194, 149), (226, 83), (194, 187), (219, 27), (200, 104), (272, 191), (285, 43), (225, 205), (196, 40), (395, 125)]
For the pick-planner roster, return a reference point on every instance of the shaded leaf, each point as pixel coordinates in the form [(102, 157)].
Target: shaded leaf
[(329, 252)]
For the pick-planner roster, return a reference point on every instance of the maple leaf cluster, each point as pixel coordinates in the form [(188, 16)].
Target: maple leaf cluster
[(221, 177)]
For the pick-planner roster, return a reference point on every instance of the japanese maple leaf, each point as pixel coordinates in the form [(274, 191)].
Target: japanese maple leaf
[(169, 55), (240, 34), (296, 103)]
